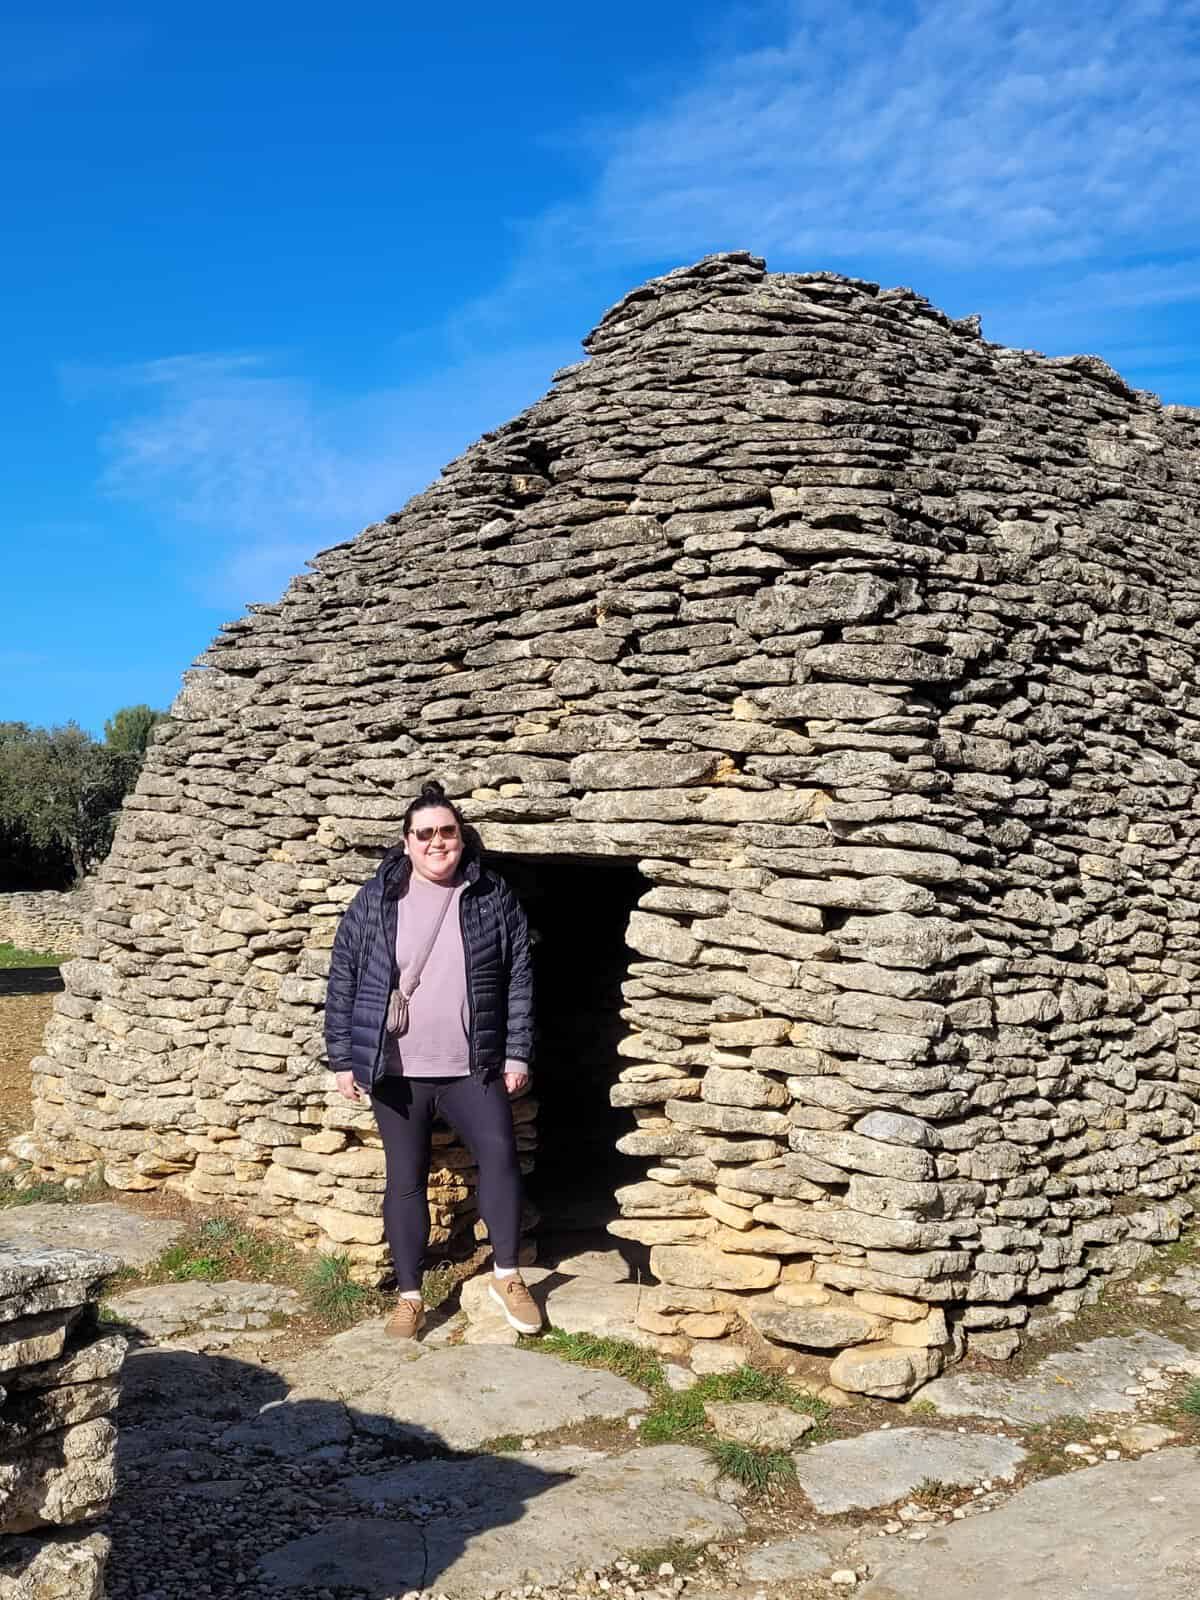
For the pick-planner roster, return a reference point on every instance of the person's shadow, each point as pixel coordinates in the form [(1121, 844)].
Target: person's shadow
[(220, 1476)]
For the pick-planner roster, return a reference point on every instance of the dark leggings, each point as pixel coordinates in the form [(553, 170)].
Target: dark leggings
[(480, 1113)]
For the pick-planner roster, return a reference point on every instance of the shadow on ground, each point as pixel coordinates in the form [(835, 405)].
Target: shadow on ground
[(29, 980), (219, 1475)]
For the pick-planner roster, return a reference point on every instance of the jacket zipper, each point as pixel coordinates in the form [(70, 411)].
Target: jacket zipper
[(375, 1068), (462, 924)]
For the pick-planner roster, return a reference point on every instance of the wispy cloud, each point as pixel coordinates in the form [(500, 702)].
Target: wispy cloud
[(1041, 157), (252, 470), (958, 134)]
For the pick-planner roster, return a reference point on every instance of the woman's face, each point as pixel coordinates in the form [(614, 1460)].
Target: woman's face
[(434, 844)]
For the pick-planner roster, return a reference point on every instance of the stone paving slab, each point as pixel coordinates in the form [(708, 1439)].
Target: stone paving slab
[(499, 1521), (598, 1306), (1088, 1381), (879, 1468), (1185, 1283), (808, 1556), (299, 1428), (163, 1309), (608, 1266), (1125, 1531), (462, 1396), (132, 1237)]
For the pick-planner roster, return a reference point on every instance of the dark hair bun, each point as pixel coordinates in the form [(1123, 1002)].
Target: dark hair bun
[(432, 793)]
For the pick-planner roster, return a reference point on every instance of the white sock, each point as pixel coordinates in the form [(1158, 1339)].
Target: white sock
[(506, 1272), (410, 1294)]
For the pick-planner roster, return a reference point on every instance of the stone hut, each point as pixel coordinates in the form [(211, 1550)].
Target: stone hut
[(824, 677)]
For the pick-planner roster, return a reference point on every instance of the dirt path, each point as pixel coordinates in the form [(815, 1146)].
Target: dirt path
[(26, 996)]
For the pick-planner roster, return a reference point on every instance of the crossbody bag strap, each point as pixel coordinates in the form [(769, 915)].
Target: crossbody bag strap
[(410, 979)]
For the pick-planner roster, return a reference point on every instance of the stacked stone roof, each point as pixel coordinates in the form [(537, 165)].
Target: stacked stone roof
[(874, 644)]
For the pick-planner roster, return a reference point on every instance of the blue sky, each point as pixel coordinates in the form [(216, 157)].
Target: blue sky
[(267, 267)]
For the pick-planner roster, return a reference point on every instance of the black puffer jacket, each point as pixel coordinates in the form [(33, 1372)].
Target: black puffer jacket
[(362, 970)]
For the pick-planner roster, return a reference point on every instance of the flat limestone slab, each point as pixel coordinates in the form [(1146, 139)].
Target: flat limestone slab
[(296, 1429), (879, 1468), (462, 1396), (806, 1556), (576, 1304), (133, 1238), (163, 1309), (35, 1278), (499, 1521), (1129, 1530), (1088, 1381)]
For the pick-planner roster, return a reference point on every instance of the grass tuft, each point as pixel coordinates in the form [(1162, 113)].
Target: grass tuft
[(757, 1470), (930, 1492), (182, 1263), (332, 1293), (1191, 1399), (683, 1557), (1181, 1253), (51, 1190), (677, 1416), (1044, 1443), (615, 1355), (439, 1283)]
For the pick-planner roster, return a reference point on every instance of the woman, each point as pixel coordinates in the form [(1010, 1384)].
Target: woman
[(437, 927)]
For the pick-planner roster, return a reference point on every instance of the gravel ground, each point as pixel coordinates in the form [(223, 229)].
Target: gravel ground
[(25, 1001)]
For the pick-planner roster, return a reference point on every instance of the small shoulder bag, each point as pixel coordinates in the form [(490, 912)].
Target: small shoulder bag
[(397, 1012)]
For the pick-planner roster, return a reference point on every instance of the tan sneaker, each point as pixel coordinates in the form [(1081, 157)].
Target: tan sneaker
[(518, 1305), (407, 1320)]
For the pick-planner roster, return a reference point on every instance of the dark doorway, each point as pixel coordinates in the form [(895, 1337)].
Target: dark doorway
[(578, 911)]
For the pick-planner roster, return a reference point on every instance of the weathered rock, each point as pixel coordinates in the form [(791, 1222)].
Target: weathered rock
[(163, 1309), (705, 1268), (1088, 1381), (891, 1371), (715, 1356), (302, 1427), (758, 1424), (56, 1568), (34, 1279), (878, 1468), (787, 1559), (575, 1510), (817, 1327), (66, 1476), (460, 1397), (1131, 1527), (129, 1237)]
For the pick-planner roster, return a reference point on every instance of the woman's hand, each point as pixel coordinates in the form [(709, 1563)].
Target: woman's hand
[(347, 1087), (514, 1082)]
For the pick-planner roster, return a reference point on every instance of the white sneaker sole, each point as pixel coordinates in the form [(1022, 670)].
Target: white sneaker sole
[(513, 1322)]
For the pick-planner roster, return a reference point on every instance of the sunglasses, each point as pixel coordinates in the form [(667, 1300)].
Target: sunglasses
[(447, 832)]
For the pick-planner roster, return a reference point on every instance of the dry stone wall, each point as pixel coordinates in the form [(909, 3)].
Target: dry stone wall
[(873, 645), (44, 920), (58, 1386)]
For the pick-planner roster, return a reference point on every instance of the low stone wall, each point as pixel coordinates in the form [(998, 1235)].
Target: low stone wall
[(46, 920), (58, 1385)]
